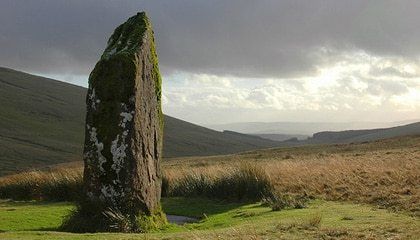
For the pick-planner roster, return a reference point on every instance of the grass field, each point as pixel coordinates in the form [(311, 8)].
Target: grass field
[(320, 220), (355, 191), (384, 173)]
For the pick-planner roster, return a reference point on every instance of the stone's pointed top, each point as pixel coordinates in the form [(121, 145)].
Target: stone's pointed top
[(128, 37), (139, 17), (142, 14)]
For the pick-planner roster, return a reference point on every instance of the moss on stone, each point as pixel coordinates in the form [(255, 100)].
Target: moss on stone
[(126, 38), (115, 147), (121, 65), (93, 217), (129, 34), (158, 83), (155, 221)]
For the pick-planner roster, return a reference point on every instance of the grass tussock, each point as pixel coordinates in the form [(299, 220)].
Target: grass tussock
[(245, 182), (279, 201), (57, 185), (94, 217), (312, 223), (240, 183)]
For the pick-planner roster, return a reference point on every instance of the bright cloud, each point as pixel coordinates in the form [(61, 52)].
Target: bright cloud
[(357, 82)]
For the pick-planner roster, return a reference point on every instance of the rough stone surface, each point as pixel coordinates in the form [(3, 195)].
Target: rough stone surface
[(124, 124)]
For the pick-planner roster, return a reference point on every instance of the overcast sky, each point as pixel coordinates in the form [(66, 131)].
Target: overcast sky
[(239, 60)]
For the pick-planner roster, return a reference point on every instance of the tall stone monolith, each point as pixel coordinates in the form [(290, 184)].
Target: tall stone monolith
[(123, 135)]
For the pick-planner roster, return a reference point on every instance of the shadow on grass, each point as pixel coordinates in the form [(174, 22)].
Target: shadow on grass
[(12, 203), (45, 229), (197, 207)]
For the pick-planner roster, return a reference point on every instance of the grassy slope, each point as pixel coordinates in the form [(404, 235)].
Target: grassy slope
[(365, 135), (186, 139), (41, 123), (281, 137), (348, 136), (322, 219)]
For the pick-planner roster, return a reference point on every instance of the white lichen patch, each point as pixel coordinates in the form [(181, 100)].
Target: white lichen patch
[(132, 99), (108, 192), (93, 99), (99, 147), (111, 52), (118, 153), (116, 182), (119, 145), (127, 117)]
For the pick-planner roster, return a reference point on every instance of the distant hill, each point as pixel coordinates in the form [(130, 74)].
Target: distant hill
[(297, 133), (185, 139), (281, 137), (364, 135), (41, 123), (302, 128)]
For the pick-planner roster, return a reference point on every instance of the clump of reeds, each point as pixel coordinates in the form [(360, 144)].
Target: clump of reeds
[(57, 185), (246, 182), (279, 201)]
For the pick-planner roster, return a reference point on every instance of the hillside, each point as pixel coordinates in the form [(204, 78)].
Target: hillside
[(41, 123), (347, 136), (301, 128), (365, 135), (281, 137), (185, 139)]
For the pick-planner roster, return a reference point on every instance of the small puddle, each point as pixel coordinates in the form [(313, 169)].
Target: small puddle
[(180, 220)]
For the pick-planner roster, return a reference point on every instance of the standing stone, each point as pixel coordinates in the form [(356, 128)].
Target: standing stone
[(123, 135)]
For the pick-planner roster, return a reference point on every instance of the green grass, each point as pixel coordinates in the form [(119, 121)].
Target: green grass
[(322, 219), (30, 216)]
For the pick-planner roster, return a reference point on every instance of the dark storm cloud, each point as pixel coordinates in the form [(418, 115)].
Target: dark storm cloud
[(227, 37)]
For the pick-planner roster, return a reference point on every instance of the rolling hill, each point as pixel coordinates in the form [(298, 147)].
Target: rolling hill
[(281, 137), (396, 129), (271, 129), (348, 136), (365, 135), (41, 123)]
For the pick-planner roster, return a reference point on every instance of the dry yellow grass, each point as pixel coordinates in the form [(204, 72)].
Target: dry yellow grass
[(384, 173), (58, 184)]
